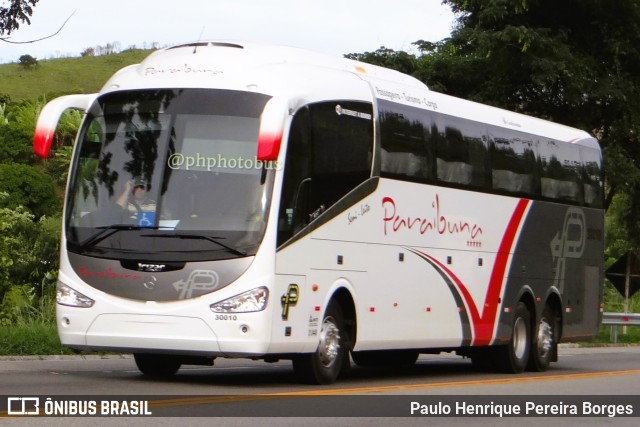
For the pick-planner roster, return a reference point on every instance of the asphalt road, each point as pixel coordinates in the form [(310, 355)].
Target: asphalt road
[(243, 392)]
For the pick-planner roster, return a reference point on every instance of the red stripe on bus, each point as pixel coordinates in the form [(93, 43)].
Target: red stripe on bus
[(483, 324)]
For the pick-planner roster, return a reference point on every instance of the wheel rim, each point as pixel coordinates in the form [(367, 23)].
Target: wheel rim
[(520, 338), (545, 338), (329, 347)]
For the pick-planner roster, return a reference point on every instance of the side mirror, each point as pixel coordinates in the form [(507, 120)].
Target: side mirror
[(50, 115)]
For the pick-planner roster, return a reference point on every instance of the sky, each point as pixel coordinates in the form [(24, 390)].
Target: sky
[(330, 26)]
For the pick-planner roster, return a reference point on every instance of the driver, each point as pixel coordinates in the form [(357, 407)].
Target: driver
[(135, 199)]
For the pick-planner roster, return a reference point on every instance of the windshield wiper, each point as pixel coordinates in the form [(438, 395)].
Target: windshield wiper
[(109, 230), (215, 240)]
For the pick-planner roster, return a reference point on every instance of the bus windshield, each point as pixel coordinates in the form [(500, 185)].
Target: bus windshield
[(169, 175)]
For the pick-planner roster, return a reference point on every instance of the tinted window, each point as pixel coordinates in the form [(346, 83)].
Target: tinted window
[(329, 154), (560, 171), (426, 146), (423, 146), (591, 174), (407, 152), (513, 162), (461, 153)]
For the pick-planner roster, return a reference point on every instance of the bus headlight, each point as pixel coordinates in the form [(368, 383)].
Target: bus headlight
[(247, 302), (66, 295)]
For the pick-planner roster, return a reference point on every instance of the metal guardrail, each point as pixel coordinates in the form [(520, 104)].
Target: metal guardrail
[(620, 319)]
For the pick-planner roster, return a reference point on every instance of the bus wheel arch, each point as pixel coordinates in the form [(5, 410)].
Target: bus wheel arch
[(344, 298), (336, 337)]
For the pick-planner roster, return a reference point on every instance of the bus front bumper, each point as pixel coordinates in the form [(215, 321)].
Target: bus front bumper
[(155, 333)]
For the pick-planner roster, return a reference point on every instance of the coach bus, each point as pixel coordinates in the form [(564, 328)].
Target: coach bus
[(241, 200)]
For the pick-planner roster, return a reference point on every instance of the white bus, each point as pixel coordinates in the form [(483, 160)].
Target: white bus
[(242, 200)]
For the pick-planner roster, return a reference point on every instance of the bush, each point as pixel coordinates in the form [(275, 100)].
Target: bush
[(28, 249), (28, 186)]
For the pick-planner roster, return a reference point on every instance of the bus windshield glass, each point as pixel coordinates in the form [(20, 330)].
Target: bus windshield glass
[(169, 175)]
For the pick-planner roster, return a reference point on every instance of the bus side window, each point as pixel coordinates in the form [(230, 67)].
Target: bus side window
[(329, 154), (513, 160), (591, 172), (560, 172), (406, 152), (461, 152)]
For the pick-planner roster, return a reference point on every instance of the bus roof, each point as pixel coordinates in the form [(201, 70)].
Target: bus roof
[(292, 71), (215, 63)]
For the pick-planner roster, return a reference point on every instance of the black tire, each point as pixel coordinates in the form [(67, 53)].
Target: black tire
[(328, 361), (544, 342), (385, 358), (513, 357), (157, 365)]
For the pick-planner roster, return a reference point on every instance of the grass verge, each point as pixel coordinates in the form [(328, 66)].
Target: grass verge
[(606, 335), (31, 338)]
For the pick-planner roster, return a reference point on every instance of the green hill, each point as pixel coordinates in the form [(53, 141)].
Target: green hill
[(64, 75)]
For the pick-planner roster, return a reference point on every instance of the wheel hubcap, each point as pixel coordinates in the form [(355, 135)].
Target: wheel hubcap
[(329, 342), (545, 338), (520, 338)]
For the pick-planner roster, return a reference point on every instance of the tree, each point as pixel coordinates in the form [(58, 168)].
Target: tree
[(575, 62), (15, 13), (88, 52), (385, 57), (27, 62)]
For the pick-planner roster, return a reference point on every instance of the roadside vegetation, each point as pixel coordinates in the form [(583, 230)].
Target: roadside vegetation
[(614, 303), (32, 191), (29, 323)]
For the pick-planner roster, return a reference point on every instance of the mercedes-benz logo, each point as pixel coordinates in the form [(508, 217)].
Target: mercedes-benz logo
[(150, 282)]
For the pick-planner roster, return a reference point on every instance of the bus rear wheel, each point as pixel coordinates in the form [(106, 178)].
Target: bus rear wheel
[(325, 364), (513, 357), (157, 365), (544, 342)]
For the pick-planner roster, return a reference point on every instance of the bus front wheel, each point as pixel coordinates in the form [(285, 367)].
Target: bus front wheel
[(157, 365), (325, 364)]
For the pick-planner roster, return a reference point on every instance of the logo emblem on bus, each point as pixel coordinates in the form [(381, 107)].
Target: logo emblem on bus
[(568, 243), (151, 268), (198, 280), (289, 299), (150, 282)]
